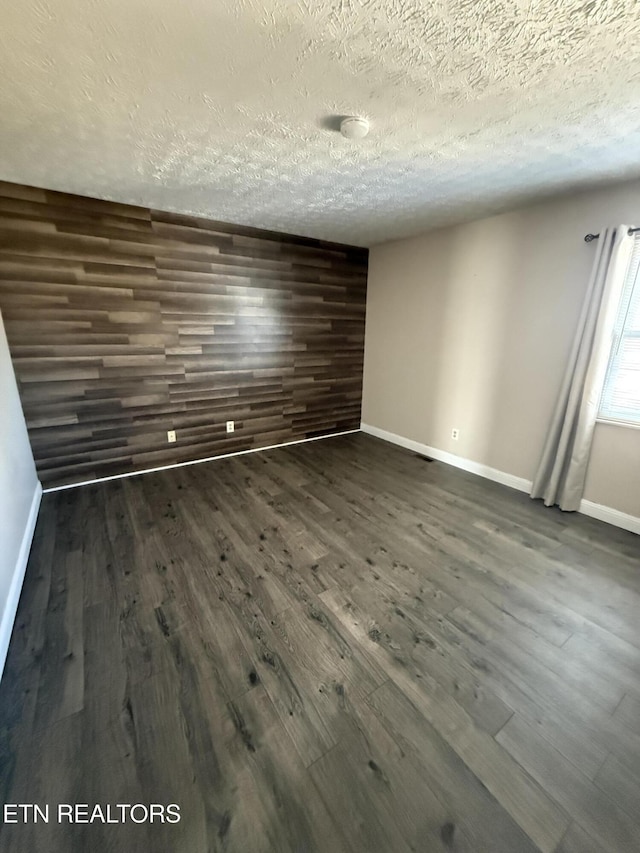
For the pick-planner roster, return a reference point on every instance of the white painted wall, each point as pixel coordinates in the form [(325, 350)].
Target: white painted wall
[(470, 327), (20, 492)]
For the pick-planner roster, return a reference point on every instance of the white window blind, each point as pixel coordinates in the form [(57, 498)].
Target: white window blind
[(620, 400)]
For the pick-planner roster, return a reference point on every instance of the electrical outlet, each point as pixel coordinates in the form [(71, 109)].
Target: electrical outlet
[(171, 436), (455, 434), (231, 426)]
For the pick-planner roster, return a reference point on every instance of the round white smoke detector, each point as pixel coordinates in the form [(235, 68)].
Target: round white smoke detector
[(354, 127)]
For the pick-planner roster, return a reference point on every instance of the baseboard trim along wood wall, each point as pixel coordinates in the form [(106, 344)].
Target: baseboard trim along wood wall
[(11, 604), (594, 510), (197, 461), (125, 324)]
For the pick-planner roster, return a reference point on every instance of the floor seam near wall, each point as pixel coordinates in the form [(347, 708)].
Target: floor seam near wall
[(603, 513)]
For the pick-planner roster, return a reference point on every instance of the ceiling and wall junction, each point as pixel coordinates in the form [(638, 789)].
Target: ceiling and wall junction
[(228, 109)]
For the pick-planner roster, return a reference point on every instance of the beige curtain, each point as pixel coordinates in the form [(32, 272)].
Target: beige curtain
[(563, 467)]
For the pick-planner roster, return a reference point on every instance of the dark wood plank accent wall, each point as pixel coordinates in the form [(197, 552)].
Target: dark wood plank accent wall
[(124, 323)]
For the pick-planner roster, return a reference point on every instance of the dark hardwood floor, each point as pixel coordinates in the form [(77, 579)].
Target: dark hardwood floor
[(337, 646)]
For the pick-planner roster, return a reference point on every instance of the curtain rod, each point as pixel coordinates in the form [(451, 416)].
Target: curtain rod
[(589, 237)]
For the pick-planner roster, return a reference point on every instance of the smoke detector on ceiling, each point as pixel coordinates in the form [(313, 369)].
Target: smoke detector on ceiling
[(354, 127)]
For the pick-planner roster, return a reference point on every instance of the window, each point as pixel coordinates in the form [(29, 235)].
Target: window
[(620, 400)]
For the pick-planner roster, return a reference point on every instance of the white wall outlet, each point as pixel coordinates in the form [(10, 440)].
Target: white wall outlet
[(171, 436), (231, 426), (455, 434)]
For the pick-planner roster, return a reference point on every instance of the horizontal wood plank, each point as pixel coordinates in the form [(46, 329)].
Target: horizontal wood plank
[(122, 315)]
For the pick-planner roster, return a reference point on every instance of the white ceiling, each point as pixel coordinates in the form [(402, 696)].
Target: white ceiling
[(219, 107)]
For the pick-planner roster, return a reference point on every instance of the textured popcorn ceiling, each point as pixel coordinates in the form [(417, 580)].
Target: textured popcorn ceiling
[(219, 107)]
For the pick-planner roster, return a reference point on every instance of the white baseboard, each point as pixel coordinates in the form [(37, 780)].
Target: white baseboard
[(603, 513), (510, 480), (611, 516), (197, 461), (11, 604)]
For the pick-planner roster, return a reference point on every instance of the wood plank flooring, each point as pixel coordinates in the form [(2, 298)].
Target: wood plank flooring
[(337, 646)]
